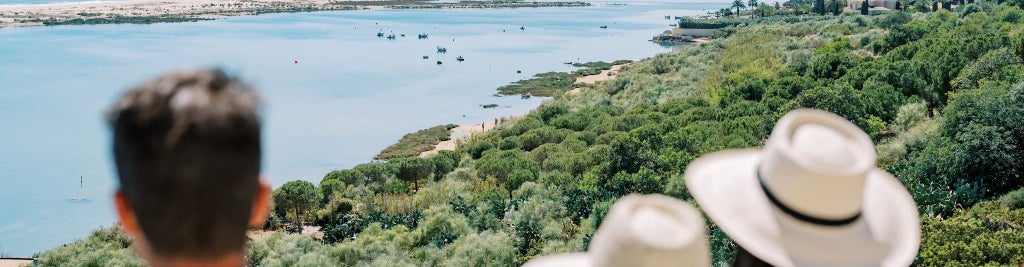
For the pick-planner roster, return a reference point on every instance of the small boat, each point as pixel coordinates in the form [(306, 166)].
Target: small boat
[(678, 18), (391, 37), (519, 71), (380, 34), (422, 36), (522, 28), (439, 62), (525, 96), (604, 26), (403, 35), (460, 59), (673, 25), (442, 50), (567, 63), (668, 17), (426, 57), (81, 185)]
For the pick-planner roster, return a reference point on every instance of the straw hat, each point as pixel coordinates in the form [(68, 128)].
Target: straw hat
[(643, 230), (811, 197)]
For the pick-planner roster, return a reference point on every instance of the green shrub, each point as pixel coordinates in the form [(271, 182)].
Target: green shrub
[(1014, 199), (105, 247)]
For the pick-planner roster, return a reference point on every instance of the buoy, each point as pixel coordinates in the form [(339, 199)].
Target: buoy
[(296, 62)]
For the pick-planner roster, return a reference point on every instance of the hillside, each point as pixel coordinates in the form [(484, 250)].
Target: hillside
[(939, 92)]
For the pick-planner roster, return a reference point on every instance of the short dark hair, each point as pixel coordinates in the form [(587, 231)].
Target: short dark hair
[(187, 148)]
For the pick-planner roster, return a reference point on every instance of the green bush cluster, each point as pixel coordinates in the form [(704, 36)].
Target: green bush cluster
[(692, 23)]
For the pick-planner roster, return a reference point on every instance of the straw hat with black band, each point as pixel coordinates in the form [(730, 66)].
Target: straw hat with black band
[(811, 197), (642, 230)]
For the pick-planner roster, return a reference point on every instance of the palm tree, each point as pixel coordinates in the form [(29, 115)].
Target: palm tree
[(738, 4), (752, 4)]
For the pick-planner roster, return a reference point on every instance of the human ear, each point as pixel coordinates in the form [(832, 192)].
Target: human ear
[(127, 217), (260, 205)]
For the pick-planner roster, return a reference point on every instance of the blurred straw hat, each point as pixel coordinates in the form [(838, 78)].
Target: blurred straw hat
[(643, 230), (811, 197)]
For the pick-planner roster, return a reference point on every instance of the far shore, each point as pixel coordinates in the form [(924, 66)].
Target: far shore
[(156, 11)]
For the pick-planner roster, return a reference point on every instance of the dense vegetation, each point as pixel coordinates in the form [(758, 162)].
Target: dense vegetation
[(415, 143), (939, 92), (692, 23)]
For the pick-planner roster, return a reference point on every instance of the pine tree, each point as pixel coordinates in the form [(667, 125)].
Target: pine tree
[(864, 8), (819, 7)]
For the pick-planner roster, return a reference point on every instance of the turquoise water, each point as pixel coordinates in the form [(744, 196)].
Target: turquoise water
[(350, 95)]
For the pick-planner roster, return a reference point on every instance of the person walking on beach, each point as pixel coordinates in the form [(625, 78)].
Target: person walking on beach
[(495, 122), (483, 126), (187, 152)]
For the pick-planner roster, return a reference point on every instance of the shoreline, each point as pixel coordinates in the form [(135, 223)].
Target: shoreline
[(464, 131), (166, 11)]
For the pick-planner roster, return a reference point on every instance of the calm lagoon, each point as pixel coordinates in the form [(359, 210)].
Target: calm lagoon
[(350, 95)]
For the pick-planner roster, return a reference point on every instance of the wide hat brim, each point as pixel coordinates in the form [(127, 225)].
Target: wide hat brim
[(578, 259), (726, 186)]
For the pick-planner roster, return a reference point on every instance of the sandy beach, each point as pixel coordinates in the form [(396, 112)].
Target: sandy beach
[(458, 134), (152, 11), (15, 262), (466, 130)]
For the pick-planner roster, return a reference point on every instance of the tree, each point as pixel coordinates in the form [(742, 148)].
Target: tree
[(752, 4), (738, 4), (444, 162), (864, 8), (328, 188), (503, 164), (819, 7), (297, 197), (835, 6), (352, 177), (1017, 41), (413, 169)]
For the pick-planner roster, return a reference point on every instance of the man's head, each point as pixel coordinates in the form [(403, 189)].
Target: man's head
[(187, 148)]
